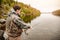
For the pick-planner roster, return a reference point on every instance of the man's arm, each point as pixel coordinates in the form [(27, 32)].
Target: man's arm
[(21, 23)]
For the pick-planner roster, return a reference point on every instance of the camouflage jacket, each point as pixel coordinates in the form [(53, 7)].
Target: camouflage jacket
[(14, 25)]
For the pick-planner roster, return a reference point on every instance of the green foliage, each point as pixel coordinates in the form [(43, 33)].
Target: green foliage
[(5, 5), (1, 2), (27, 12)]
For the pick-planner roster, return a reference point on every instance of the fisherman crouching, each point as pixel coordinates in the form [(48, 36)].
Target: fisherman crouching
[(14, 25)]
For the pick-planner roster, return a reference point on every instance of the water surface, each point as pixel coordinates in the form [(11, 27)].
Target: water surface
[(44, 27)]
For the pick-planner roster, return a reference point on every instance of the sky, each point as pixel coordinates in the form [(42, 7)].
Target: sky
[(43, 5)]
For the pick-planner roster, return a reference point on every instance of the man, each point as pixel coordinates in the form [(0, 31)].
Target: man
[(14, 25)]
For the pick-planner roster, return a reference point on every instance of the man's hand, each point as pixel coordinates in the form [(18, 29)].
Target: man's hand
[(25, 30)]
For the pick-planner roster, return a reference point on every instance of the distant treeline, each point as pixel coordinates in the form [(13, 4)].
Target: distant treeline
[(56, 12)]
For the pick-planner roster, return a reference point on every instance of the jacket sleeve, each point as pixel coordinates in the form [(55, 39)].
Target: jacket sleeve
[(21, 23)]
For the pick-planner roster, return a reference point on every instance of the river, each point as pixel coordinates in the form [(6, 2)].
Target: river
[(44, 27)]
